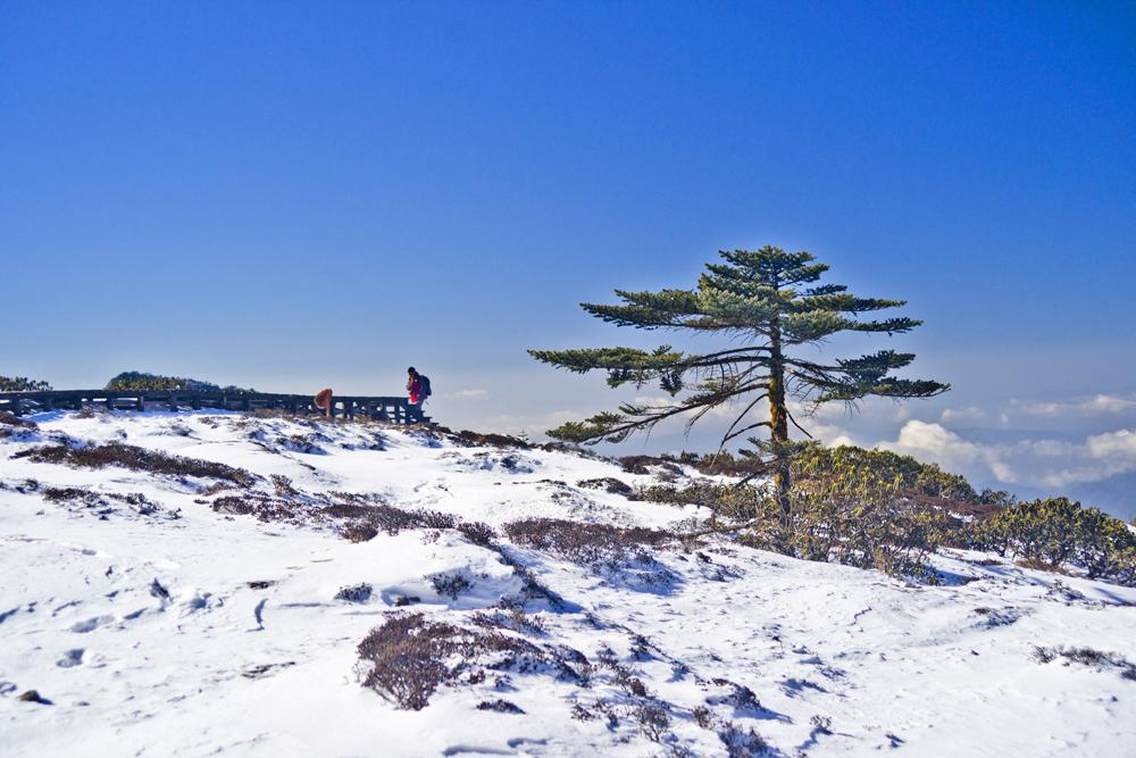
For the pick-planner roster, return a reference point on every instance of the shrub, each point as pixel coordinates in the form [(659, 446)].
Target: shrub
[(908, 475), (478, 532), (22, 384), (412, 656), (1086, 656), (842, 511), (863, 516), (582, 542), (608, 484), (359, 593), (730, 501), (140, 381), (1056, 532), (451, 585), (136, 459)]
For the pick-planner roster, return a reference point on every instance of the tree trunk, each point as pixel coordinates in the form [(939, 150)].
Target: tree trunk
[(779, 421)]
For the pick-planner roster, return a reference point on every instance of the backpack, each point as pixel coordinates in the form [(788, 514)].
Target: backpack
[(424, 386)]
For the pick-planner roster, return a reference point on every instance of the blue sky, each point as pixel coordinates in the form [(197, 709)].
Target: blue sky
[(292, 195)]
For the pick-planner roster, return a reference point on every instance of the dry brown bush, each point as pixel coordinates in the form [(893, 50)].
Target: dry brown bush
[(136, 459), (412, 656), (583, 542)]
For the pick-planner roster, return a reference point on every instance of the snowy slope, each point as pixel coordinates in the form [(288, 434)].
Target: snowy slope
[(174, 624)]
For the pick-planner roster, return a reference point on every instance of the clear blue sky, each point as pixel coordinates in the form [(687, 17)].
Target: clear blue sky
[(289, 195)]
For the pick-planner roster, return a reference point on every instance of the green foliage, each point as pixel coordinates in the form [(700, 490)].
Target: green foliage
[(22, 384), (911, 476), (770, 300), (138, 381), (864, 508), (861, 515), (1058, 532), (877, 509)]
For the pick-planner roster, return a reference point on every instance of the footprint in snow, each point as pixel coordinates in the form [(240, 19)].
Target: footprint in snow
[(71, 658), (91, 624)]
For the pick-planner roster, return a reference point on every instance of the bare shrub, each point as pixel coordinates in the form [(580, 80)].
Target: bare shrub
[(740, 742), (582, 542), (1087, 656), (451, 585), (11, 419), (638, 464), (283, 486), (478, 532), (103, 504), (357, 532), (469, 438), (412, 656), (499, 705), (359, 593), (137, 459), (608, 484)]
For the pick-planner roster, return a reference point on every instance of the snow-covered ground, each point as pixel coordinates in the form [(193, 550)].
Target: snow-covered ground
[(163, 626)]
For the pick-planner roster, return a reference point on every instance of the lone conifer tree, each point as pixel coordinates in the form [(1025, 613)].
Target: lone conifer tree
[(766, 301)]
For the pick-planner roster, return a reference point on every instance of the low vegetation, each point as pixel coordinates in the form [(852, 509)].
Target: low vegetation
[(584, 543), (1085, 656), (1057, 532), (136, 459), (139, 381), (411, 656), (22, 384), (878, 509)]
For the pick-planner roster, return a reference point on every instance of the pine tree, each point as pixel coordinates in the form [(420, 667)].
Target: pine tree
[(768, 304)]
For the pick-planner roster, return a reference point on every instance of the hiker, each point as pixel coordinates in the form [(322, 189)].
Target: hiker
[(418, 387), (323, 401)]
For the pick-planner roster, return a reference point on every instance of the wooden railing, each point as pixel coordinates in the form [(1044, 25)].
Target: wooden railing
[(394, 409)]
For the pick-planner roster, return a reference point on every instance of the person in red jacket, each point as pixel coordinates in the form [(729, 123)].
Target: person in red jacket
[(418, 387), (414, 386)]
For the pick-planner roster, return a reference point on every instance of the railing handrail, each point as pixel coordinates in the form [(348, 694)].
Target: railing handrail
[(390, 407)]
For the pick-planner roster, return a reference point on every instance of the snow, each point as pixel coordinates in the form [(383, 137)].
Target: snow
[(189, 632)]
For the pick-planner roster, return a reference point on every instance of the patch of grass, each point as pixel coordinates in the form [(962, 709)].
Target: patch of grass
[(136, 459)]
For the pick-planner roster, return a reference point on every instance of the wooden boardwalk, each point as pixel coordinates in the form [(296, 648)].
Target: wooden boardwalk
[(394, 409)]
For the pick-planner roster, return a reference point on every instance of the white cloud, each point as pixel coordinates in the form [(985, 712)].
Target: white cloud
[(930, 441), (532, 424), (1044, 462), (1096, 405), (1118, 445), (470, 394), (969, 415), (831, 435)]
